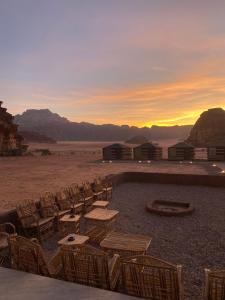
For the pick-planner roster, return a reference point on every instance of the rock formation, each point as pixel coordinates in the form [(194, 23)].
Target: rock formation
[(209, 129), (10, 140)]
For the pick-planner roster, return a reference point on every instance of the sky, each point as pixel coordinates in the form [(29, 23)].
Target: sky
[(135, 62)]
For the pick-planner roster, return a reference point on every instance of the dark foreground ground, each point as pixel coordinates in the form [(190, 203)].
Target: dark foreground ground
[(196, 241)]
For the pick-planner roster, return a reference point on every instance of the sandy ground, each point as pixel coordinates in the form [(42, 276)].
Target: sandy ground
[(29, 176), (196, 241)]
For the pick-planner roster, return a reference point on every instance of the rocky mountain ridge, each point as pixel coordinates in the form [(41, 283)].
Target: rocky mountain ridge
[(52, 125)]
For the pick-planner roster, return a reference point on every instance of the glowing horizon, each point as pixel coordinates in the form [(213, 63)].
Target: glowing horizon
[(129, 62)]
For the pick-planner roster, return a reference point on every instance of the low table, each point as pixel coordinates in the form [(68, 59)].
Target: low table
[(126, 244), (101, 217), (78, 240), (100, 204), (69, 224)]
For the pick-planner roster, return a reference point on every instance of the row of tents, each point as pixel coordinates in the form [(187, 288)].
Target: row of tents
[(149, 151)]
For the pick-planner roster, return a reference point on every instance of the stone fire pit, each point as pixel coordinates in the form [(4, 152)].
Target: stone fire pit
[(170, 208)]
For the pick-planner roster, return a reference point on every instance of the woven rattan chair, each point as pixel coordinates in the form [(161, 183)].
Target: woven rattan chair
[(151, 278), (90, 266), (107, 188), (28, 256), (98, 189), (214, 285), (48, 205), (49, 208), (97, 234), (76, 198), (32, 222), (6, 229), (64, 201), (87, 196)]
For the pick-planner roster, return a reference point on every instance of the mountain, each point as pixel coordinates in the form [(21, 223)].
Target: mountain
[(34, 137), (52, 125), (209, 129), (137, 139)]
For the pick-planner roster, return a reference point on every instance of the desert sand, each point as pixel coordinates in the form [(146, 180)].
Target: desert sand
[(28, 177)]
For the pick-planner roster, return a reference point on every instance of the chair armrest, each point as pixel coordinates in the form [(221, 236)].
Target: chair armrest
[(8, 227), (114, 270), (35, 240), (55, 264), (4, 234), (36, 220)]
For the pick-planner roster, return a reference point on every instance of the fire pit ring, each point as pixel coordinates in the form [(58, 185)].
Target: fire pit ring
[(169, 208)]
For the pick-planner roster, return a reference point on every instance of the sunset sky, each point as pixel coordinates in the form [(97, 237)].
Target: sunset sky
[(135, 62)]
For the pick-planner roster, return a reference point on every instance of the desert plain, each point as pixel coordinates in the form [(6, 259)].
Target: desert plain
[(29, 176)]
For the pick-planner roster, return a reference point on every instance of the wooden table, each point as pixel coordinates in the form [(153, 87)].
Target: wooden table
[(68, 224), (126, 244), (102, 216), (78, 240), (100, 204)]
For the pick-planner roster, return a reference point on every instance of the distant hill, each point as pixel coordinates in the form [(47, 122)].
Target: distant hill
[(138, 139), (209, 129), (34, 137), (45, 122)]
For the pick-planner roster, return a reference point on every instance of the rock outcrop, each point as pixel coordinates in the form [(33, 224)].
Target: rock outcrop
[(209, 129), (10, 140)]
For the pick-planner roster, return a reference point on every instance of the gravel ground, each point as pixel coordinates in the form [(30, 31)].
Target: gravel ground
[(196, 241)]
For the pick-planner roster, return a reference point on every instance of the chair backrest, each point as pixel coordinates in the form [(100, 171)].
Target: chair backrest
[(48, 205), (97, 185), (63, 199), (87, 190), (214, 285), (75, 193), (151, 278), (86, 265), (27, 213), (27, 256)]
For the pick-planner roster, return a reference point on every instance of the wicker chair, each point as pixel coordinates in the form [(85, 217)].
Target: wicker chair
[(76, 198), (98, 189), (107, 188), (6, 229), (151, 278), (214, 285), (90, 266), (49, 208), (87, 196), (28, 256), (32, 222), (63, 199), (97, 234)]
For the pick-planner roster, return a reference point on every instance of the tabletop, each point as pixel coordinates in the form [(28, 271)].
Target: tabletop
[(68, 218), (101, 203), (78, 240), (124, 241), (101, 214)]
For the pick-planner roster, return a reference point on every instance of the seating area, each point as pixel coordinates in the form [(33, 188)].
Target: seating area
[(90, 249)]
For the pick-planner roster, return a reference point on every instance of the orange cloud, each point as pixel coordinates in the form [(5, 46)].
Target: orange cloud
[(171, 103)]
